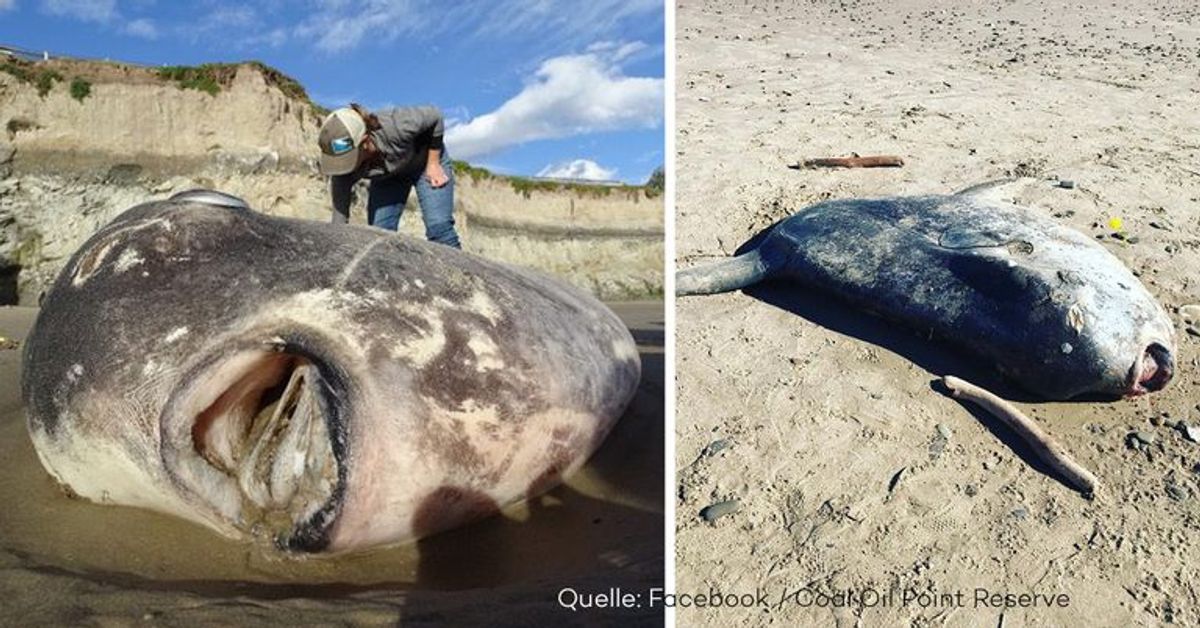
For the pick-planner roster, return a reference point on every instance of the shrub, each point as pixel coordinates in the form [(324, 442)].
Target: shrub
[(16, 125), (206, 78), (656, 184), (80, 89), (45, 81)]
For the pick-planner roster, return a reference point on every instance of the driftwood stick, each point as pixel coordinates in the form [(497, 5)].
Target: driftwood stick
[(871, 161), (1042, 444)]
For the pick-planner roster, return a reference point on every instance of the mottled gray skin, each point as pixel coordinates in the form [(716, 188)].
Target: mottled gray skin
[(429, 386), (1051, 308)]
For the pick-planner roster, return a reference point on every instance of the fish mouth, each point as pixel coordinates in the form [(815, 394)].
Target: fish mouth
[(1152, 370), (260, 434)]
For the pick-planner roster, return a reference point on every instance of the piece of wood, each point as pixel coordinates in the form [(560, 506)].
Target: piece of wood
[(870, 161), (1042, 444)]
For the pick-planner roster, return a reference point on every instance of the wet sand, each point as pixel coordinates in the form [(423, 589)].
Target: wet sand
[(70, 562), (852, 472)]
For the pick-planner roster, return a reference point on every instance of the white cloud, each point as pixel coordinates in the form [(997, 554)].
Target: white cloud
[(230, 17), (565, 20), (273, 38), (618, 50), (143, 28), (570, 95), (103, 12), (86, 10), (578, 169), (342, 25)]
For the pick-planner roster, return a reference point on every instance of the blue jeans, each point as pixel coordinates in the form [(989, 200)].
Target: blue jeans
[(386, 199)]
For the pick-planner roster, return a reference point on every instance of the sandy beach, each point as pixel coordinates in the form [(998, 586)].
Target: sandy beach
[(70, 562), (849, 471)]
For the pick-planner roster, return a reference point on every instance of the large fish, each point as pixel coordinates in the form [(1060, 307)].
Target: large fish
[(325, 387), (1052, 309)]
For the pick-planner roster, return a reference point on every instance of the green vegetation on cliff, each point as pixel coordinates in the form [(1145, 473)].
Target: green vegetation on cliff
[(207, 78), (80, 89), (657, 183), (526, 186), (212, 77)]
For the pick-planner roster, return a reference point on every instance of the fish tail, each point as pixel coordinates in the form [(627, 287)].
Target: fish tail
[(728, 274)]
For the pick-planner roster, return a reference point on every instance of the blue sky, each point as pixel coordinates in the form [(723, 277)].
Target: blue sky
[(552, 87)]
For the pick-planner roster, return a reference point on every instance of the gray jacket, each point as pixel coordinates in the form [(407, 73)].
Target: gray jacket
[(405, 137)]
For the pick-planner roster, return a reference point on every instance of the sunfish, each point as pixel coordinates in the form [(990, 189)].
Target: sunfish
[(1053, 310), (322, 387)]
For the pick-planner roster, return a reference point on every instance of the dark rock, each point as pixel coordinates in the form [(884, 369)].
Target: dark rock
[(720, 509), (717, 446)]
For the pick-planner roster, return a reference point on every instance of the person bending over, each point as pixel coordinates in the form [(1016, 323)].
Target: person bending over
[(397, 150)]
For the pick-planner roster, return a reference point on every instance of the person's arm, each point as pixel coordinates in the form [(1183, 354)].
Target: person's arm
[(339, 190), (433, 166), (435, 125)]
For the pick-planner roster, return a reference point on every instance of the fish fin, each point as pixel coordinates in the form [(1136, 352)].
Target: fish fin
[(210, 197), (995, 278), (728, 274), (986, 187)]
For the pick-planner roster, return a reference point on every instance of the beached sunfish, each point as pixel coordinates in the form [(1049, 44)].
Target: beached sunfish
[(324, 387), (1052, 309)]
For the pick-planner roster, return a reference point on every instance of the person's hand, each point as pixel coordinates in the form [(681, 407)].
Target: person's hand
[(436, 175)]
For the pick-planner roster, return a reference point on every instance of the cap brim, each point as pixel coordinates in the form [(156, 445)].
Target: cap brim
[(339, 164)]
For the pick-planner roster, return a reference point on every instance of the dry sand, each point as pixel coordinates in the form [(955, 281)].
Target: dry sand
[(821, 409), (69, 562)]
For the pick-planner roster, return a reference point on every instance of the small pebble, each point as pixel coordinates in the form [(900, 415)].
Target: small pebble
[(1066, 184), (720, 509), (1139, 439), (716, 447), (1020, 512), (1190, 432), (970, 490), (1176, 493), (944, 431)]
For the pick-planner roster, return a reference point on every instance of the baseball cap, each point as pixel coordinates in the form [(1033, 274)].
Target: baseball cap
[(341, 134)]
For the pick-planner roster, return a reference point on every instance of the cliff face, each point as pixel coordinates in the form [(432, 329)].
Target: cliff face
[(131, 115), (69, 164)]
